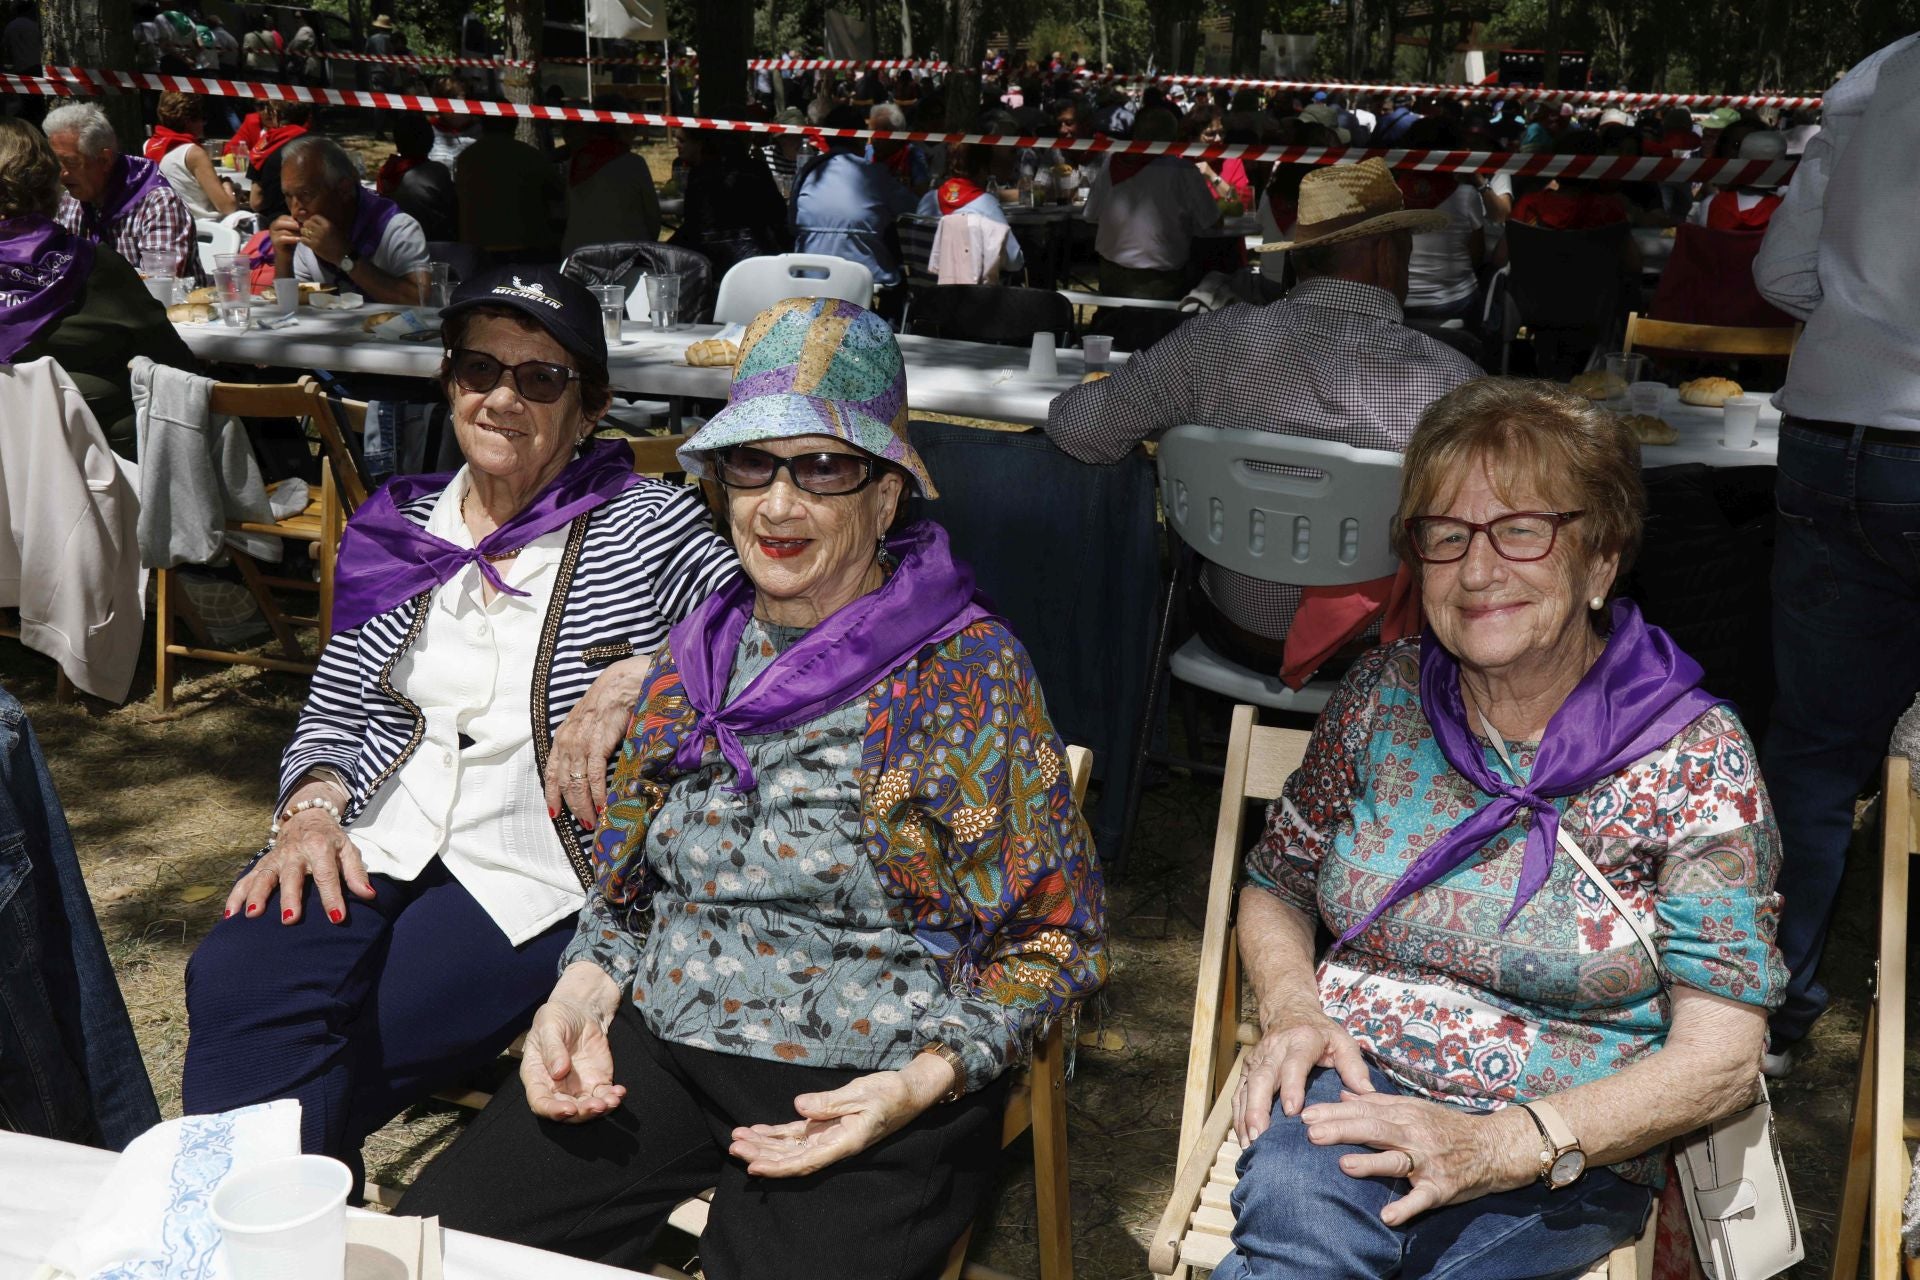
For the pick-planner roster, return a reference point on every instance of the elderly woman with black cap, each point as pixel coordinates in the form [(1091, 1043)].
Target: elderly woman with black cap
[(842, 882), (432, 840)]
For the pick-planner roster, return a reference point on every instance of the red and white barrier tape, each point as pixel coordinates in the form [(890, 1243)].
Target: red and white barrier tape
[(428, 60), (844, 64), (78, 81), (1594, 97)]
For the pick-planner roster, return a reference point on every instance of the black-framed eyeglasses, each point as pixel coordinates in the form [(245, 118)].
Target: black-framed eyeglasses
[(540, 381), (825, 475), (1519, 535)]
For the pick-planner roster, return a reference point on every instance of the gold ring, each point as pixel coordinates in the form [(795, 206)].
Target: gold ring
[(1409, 1156)]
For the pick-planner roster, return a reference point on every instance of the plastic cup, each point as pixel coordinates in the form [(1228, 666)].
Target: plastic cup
[(285, 1219), (663, 301), (1043, 361), (1098, 350), (1742, 419), (233, 290), (286, 295), (157, 264), (1646, 397), (436, 285), (161, 287), (1629, 367), (613, 307)]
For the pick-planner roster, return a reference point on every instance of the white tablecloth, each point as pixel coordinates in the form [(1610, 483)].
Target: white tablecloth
[(943, 376), (1700, 438), (44, 1184)]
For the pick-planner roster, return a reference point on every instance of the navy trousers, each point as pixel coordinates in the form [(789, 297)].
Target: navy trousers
[(358, 1020)]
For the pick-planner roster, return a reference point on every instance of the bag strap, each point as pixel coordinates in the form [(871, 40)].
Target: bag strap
[(1574, 851)]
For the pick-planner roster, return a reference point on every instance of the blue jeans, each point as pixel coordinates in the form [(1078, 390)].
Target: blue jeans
[(1846, 652), (1298, 1215), (69, 1065)]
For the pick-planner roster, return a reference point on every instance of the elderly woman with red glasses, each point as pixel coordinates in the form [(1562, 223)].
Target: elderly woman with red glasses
[(431, 842), (843, 884), (1547, 860)]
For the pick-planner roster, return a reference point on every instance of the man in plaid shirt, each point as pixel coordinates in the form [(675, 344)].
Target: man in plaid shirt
[(116, 200), (1330, 361)]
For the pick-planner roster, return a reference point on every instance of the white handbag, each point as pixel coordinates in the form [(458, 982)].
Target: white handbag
[(1735, 1184)]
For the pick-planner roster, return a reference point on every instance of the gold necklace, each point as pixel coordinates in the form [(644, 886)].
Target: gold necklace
[(491, 558)]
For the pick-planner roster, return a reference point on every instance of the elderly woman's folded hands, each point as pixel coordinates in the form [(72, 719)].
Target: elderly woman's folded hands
[(842, 1122)]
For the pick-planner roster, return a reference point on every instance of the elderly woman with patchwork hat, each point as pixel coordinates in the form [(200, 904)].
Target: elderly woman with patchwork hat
[(842, 882), (432, 839)]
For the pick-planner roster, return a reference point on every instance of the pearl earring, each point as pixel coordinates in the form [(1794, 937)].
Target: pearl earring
[(1597, 603)]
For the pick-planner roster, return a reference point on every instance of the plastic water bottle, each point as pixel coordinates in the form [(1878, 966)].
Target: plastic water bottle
[(1026, 190)]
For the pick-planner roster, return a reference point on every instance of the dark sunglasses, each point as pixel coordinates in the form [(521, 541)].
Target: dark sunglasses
[(540, 381), (826, 475)]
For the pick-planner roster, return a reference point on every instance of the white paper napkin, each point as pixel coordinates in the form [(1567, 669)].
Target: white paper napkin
[(152, 1216)]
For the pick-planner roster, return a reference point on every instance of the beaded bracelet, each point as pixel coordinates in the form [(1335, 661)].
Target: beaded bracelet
[(312, 802)]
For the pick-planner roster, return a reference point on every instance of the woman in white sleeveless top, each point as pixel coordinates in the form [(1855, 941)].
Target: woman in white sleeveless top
[(184, 163)]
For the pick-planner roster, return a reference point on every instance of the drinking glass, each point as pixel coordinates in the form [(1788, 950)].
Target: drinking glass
[(285, 1219), (1628, 368), (286, 294), (157, 264), (1741, 420), (232, 289), (613, 307), (1043, 361), (1098, 350), (663, 301), (436, 285), (1647, 396)]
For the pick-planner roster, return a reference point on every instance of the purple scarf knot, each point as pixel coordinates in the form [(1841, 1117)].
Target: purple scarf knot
[(1638, 695), (129, 181), (41, 267), (386, 559), (929, 598)]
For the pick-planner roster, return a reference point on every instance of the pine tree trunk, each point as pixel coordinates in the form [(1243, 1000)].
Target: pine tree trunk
[(1550, 64), (96, 33), (963, 64), (520, 40)]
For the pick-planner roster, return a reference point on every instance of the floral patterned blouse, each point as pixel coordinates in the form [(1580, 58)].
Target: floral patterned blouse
[(1449, 1004), (772, 934)]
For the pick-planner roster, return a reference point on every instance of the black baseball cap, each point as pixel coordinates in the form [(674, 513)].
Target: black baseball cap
[(561, 306)]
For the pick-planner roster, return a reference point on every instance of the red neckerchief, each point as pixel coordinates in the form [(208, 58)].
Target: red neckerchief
[(956, 193), (393, 170), (1122, 167), (591, 156), (274, 139), (245, 136), (165, 140), (1725, 213), (900, 164)]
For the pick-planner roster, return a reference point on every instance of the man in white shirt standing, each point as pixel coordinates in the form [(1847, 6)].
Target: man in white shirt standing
[(1842, 254), (337, 232), (1149, 208)]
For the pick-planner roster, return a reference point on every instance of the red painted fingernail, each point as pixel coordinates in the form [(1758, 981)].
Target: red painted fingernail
[(287, 914), (227, 914), (552, 813), (336, 915), (253, 908)]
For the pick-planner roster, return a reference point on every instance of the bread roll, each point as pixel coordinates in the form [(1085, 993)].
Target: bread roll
[(377, 319), (1713, 393), (1648, 429), (191, 312), (713, 353), (1598, 384)]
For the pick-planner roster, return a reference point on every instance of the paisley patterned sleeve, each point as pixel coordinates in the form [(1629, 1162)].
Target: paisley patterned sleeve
[(1318, 798), (1716, 905), (1008, 853)]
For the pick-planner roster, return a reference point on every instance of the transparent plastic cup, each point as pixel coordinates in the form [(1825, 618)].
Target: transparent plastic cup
[(436, 285), (613, 307), (663, 301), (1043, 361), (1647, 397), (1098, 350), (286, 295), (1629, 367), (162, 289), (285, 1219), (1741, 421)]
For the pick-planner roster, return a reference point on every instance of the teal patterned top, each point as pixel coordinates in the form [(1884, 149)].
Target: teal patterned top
[(1456, 1009), (773, 935)]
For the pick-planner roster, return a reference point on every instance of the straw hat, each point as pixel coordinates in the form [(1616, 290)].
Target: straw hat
[(383, 23), (1343, 202)]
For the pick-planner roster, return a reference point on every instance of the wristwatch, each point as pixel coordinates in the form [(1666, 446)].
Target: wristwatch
[(1561, 1159), (345, 265)]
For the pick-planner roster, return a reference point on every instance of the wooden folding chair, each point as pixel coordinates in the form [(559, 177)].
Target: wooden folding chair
[(656, 455), (320, 523), (1036, 1100), (63, 691), (1877, 1164), (1196, 1227), (1710, 339)]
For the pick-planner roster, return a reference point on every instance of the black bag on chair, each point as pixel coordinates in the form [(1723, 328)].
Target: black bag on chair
[(625, 261)]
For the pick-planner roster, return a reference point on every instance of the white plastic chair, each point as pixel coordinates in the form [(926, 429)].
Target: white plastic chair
[(753, 285), (213, 237), (1328, 529)]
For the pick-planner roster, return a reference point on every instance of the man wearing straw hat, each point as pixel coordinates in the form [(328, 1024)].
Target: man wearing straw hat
[(1332, 360)]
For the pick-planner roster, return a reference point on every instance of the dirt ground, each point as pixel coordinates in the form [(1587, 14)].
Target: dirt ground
[(164, 808)]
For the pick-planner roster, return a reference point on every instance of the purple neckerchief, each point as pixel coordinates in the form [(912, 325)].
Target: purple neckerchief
[(370, 219), (41, 267), (1638, 695), (129, 182), (929, 598), (386, 559)]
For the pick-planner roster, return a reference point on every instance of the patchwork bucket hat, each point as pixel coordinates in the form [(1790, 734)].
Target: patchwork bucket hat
[(815, 367)]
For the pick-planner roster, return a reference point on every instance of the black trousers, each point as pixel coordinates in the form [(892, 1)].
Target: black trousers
[(603, 1189)]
